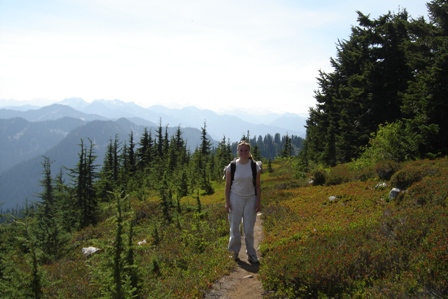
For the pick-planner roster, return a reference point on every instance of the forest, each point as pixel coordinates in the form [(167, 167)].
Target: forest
[(155, 211)]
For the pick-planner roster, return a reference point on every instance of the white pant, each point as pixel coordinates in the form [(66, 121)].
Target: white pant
[(242, 208)]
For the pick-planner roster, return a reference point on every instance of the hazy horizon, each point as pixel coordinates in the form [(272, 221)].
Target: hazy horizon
[(220, 56)]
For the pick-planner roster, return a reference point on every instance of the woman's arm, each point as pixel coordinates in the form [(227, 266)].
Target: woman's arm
[(258, 190), (227, 190)]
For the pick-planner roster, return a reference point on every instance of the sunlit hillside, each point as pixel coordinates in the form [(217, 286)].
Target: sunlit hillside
[(336, 240)]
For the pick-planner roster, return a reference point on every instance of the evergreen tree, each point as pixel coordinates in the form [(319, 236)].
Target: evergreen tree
[(131, 155), (425, 103), (371, 73), (116, 272), (50, 236), (204, 163), (83, 177), (159, 142), (256, 154), (223, 156), (287, 147), (165, 199), (107, 181), (205, 142), (65, 203), (145, 152)]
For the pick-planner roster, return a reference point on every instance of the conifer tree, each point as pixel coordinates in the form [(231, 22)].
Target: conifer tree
[(371, 74), (425, 102), (50, 236), (223, 156), (145, 152), (165, 199), (118, 249), (116, 272), (131, 154), (204, 162), (83, 177), (65, 204), (256, 154), (159, 141), (107, 182), (287, 147)]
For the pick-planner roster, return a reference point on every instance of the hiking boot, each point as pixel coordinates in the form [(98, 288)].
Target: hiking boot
[(253, 259), (235, 256)]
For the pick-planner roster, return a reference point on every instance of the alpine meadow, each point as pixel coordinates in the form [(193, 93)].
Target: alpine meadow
[(356, 209)]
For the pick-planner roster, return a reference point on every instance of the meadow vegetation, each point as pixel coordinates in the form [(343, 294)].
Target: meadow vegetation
[(341, 238), (345, 238)]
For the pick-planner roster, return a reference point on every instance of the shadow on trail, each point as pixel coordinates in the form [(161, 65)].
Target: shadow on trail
[(252, 268)]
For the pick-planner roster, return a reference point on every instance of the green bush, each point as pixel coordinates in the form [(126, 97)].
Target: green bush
[(339, 174), (430, 190), (319, 177), (385, 169), (413, 172), (393, 141)]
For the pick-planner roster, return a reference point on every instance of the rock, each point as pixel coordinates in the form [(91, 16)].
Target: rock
[(394, 193), (381, 185), (88, 251)]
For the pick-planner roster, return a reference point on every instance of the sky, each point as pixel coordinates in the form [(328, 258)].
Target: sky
[(254, 55)]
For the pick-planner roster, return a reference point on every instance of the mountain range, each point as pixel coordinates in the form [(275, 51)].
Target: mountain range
[(55, 131), (232, 125)]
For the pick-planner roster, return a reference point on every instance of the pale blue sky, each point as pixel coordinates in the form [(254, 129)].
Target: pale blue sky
[(219, 55)]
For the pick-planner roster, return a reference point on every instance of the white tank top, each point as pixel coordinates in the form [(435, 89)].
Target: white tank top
[(242, 182)]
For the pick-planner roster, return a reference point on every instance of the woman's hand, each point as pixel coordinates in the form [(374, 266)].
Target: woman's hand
[(228, 207)]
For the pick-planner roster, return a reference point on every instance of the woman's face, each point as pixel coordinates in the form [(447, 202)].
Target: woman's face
[(243, 151)]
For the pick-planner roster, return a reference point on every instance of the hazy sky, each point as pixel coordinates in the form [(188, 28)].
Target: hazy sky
[(219, 55)]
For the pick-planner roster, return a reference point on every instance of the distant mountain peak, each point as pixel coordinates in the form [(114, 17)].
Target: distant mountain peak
[(76, 103)]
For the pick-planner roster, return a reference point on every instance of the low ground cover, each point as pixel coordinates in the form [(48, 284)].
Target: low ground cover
[(342, 239), (350, 241)]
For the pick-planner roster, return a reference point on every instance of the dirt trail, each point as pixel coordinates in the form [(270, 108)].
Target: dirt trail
[(243, 281)]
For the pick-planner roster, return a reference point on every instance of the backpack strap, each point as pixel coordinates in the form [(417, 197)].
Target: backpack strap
[(232, 171), (254, 174)]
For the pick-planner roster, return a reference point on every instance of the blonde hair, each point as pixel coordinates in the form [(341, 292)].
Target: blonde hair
[(246, 143)]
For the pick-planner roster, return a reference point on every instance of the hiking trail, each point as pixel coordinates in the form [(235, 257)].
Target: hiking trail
[(243, 281)]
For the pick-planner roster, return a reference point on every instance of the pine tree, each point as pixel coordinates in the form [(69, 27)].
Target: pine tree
[(131, 154), (83, 177), (204, 163), (145, 152), (116, 272), (287, 147), (50, 236), (371, 73), (425, 102)]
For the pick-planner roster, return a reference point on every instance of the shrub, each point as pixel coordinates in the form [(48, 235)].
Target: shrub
[(319, 177), (385, 169), (338, 175), (393, 141), (430, 190), (413, 172)]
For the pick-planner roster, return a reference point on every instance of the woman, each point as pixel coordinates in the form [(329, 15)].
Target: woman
[(243, 196)]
